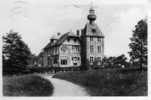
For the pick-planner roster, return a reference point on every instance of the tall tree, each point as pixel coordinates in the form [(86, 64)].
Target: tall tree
[(138, 45), (16, 53)]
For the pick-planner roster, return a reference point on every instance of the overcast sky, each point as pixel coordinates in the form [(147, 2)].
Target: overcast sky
[(38, 20)]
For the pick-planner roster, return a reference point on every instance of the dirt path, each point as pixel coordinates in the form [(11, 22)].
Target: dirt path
[(65, 88)]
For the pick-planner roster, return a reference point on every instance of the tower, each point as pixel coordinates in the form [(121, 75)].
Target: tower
[(92, 40)]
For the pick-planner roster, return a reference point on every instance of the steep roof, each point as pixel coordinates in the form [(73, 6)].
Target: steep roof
[(56, 36), (61, 39), (66, 36), (89, 27)]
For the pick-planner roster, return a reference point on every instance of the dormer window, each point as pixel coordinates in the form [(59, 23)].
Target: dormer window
[(99, 39), (91, 38), (93, 30), (68, 39), (75, 40)]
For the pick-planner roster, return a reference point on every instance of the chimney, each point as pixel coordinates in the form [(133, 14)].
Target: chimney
[(11, 31), (58, 33)]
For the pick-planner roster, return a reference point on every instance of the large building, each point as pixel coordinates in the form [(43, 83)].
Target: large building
[(74, 49)]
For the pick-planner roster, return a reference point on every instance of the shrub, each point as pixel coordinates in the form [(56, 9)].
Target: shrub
[(26, 85), (109, 82)]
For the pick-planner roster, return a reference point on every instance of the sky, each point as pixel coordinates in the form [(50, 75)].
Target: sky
[(37, 20)]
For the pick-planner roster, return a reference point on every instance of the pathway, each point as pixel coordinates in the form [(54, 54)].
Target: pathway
[(66, 88)]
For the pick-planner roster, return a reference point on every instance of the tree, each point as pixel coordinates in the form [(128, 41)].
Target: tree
[(107, 62), (138, 45), (120, 61), (16, 53), (115, 62)]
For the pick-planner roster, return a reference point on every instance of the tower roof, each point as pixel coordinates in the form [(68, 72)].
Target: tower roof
[(90, 27), (91, 16)]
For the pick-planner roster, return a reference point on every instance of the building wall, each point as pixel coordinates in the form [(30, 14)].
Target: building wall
[(70, 51), (45, 59), (92, 40), (94, 44), (53, 56)]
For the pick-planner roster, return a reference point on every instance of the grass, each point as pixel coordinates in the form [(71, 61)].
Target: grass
[(26, 85), (109, 82)]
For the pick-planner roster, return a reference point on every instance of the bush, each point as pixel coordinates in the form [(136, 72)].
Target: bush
[(26, 85), (109, 82)]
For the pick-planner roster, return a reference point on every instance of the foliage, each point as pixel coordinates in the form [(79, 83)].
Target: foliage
[(16, 53), (97, 64), (26, 85), (109, 82), (138, 45), (114, 62)]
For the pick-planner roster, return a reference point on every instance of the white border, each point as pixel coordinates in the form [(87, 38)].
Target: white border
[(103, 97)]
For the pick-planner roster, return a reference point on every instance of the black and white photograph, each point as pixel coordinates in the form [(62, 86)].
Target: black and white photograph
[(74, 48)]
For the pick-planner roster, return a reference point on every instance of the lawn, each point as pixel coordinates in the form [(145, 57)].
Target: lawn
[(109, 82), (26, 85)]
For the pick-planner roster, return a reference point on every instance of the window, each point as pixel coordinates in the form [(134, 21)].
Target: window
[(91, 59), (75, 40), (63, 62), (91, 38), (99, 58), (75, 64), (99, 39), (91, 48), (55, 60), (75, 58), (99, 49), (75, 48)]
